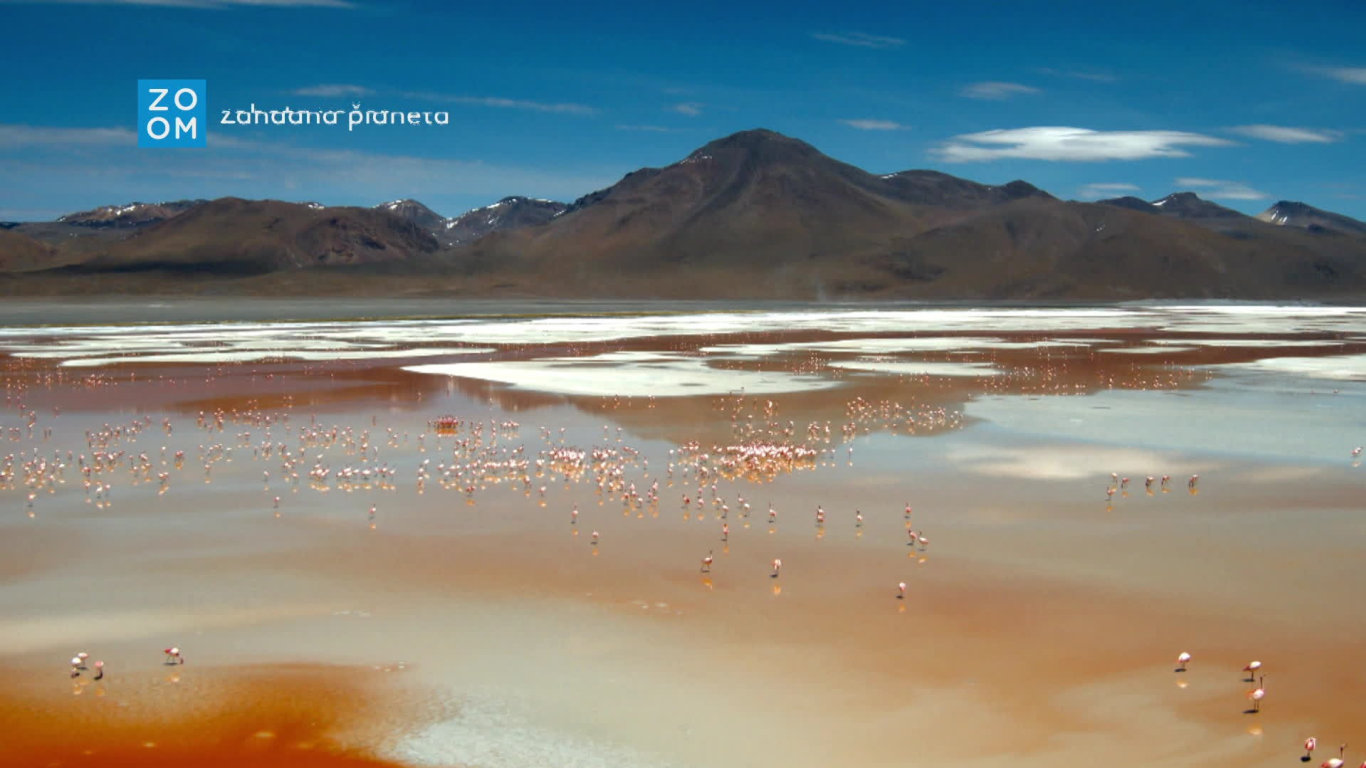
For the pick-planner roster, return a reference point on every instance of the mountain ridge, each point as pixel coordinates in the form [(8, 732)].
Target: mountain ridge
[(752, 215)]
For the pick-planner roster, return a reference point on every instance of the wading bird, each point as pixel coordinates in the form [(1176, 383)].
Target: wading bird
[(1182, 660), (1257, 694), (706, 562)]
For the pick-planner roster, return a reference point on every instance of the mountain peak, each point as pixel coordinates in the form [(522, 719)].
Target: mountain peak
[(760, 144), (1188, 205), (1291, 213)]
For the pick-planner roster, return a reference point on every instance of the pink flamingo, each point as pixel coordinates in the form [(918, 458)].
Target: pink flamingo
[(777, 566), (1257, 694), (1334, 762), (1182, 660), (1251, 669), (901, 591), (1309, 745), (99, 670), (706, 562)]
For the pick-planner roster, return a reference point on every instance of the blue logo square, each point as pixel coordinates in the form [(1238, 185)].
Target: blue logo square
[(172, 113)]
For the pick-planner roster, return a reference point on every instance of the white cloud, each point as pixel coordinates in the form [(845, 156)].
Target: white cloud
[(1105, 189), (876, 125), (1287, 135), (504, 103), (12, 136), (859, 39), (1221, 189), (1353, 75), (1062, 143), (333, 89), (689, 108), (996, 91)]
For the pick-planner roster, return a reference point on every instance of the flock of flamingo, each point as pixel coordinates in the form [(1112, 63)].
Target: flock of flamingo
[(1257, 694), (478, 455)]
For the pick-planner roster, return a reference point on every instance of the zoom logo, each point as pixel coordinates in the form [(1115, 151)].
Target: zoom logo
[(172, 113)]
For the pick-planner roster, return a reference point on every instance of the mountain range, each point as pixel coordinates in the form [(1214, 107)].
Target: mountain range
[(751, 215)]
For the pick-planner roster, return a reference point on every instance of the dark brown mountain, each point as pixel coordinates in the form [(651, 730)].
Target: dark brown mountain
[(1287, 213), (941, 189), (754, 200), (235, 236), (1132, 203), (1188, 205), (130, 215), (415, 212), (760, 214), (754, 215), (21, 253), (509, 213)]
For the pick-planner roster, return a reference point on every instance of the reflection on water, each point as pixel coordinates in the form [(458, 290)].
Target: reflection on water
[(237, 488)]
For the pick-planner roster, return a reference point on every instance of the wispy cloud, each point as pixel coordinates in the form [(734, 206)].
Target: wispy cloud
[(1287, 135), (209, 4), (333, 90), (1221, 189), (859, 39), (876, 125), (1062, 143), (1353, 75), (647, 128), (689, 108), (1105, 189), (504, 103), (996, 91), (14, 136), (40, 167)]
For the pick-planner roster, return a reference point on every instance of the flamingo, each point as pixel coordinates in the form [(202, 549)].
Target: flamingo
[(1181, 661), (595, 538), (908, 511), (1257, 694), (1309, 745), (81, 657), (1191, 483), (1334, 762), (1356, 451), (858, 519), (706, 562), (725, 531), (173, 656), (777, 566), (99, 670), (75, 667), (574, 515), (901, 591), (1251, 669)]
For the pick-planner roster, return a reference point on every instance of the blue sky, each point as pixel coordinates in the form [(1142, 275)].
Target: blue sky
[(1242, 102)]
